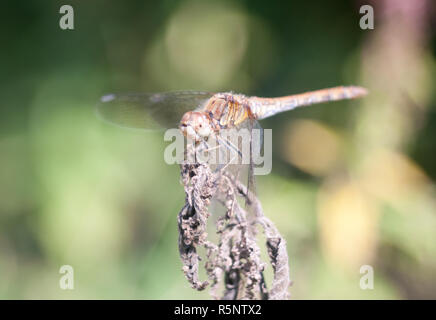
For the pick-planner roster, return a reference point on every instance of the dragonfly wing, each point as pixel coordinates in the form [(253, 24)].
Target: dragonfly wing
[(240, 150), (149, 110), (256, 142), (246, 171)]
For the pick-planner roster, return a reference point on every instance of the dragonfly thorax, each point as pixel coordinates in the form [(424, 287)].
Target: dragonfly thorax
[(196, 125)]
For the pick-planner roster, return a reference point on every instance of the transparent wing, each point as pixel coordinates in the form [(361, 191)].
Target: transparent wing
[(256, 143), (238, 148), (149, 110)]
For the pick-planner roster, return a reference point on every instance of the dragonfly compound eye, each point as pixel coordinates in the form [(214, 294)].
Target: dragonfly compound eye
[(201, 124), (195, 125)]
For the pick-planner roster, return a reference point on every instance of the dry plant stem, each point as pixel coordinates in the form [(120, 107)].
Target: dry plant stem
[(276, 248), (192, 221), (236, 257)]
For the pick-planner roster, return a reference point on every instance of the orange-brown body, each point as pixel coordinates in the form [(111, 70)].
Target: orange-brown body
[(227, 110)]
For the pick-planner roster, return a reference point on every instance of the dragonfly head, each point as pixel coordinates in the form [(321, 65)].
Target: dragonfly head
[(195, 125)]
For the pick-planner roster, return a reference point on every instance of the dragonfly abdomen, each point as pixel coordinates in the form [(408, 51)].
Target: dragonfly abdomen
[(266, 107)]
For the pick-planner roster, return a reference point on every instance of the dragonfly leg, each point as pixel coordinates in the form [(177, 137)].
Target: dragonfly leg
[(230, 145), (223, 168)]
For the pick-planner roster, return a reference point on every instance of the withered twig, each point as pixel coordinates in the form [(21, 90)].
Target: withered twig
[(236, 258)]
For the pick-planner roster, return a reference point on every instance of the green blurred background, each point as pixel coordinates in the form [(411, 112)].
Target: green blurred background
[(353, 182)]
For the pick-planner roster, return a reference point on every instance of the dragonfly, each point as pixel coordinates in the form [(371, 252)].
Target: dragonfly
[(200, 114), (203, 115)]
